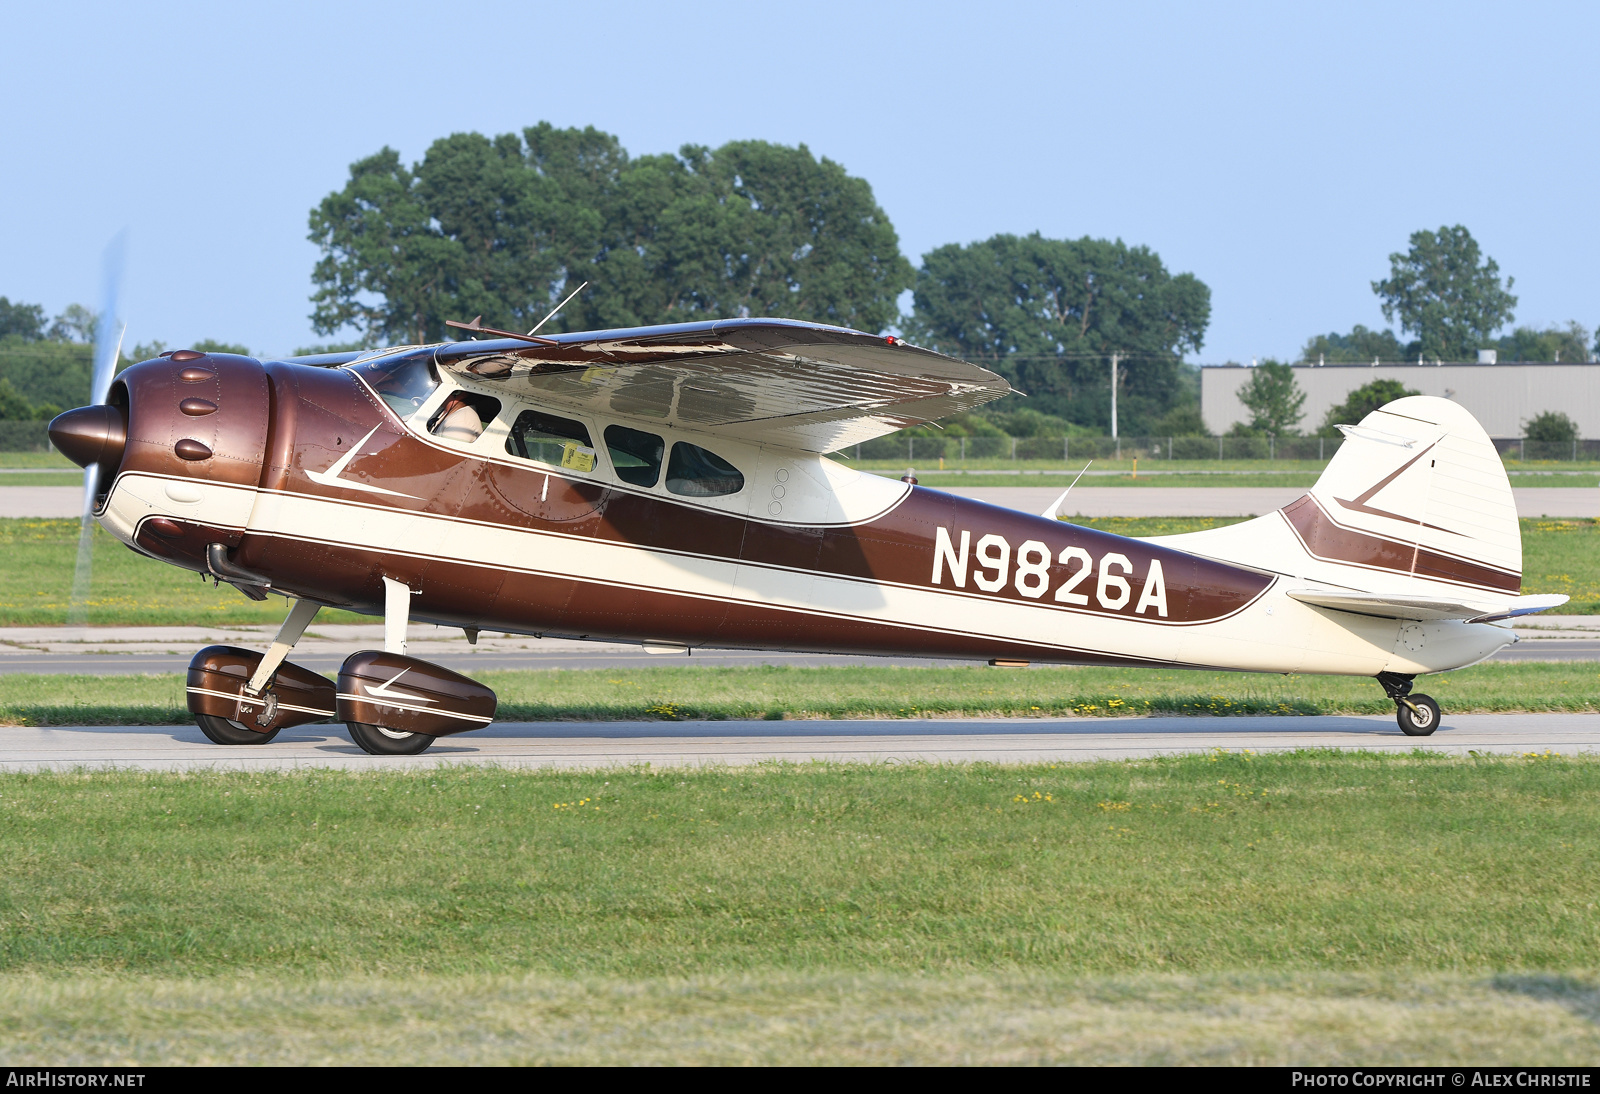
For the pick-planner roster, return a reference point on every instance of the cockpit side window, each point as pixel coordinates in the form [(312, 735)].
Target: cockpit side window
[(549, 439), (695, 472), (463, 416), (403, 382), (635, 454)]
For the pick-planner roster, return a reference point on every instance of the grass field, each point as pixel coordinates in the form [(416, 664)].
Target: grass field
[(773, 692), (37, 459), (1303, 908), (1560, 556), (35, 477), (127, 588)]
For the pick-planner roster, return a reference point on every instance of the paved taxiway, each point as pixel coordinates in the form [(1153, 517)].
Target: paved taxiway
[(118, 650), (679, 744), (604, 657)]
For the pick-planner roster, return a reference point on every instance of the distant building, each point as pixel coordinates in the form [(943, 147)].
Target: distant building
[(1502, 397)]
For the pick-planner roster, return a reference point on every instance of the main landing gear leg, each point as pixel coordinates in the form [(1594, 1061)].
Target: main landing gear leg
[(1418, 715), (380, 740), (226, 731), (299, 618)]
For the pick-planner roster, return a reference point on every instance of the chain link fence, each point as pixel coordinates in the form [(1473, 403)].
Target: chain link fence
[(1095, 448), (1066, 449), (1516, 449)]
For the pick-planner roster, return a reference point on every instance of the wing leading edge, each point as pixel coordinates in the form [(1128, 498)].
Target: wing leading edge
[(770, 381)]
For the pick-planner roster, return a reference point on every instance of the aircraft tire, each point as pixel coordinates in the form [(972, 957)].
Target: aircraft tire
[(225, 731), (378, 741), (1422, 723)]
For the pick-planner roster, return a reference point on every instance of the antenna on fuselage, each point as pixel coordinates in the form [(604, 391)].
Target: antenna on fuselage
[(1054, 512), (558, 307)]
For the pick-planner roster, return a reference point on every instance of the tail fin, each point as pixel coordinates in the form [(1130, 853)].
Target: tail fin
[(1414, 511)]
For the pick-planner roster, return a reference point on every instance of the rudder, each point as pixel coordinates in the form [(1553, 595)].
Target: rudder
[(1421, 470), (1415, 503)]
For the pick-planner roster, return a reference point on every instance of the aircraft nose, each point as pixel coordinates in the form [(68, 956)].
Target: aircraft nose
[(90, 435)]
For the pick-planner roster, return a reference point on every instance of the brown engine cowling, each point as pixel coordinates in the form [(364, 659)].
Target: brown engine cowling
[(408, 695), (293, 695), (196, 417)]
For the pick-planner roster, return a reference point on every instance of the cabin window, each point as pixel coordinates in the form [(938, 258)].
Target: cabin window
[(695, 472), (404, 382), (635, 454), (464, 416), (546, 438)]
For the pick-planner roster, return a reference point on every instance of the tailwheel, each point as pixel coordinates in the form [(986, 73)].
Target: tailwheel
[(1418, 715), (379, 741), (226, 731)]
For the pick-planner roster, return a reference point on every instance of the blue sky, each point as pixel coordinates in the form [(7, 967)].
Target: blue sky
[(1278, 151)]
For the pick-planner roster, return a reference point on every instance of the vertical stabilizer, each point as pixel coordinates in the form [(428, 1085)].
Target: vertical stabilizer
[(1415, 503), (1421, 470)]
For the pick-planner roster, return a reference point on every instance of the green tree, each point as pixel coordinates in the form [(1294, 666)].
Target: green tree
[(504, 228), (799, 238), (1361, 402), (1569, 343), (1551, 426), (386, 268), (1447, 292), (24, 322), (1048, 313), (1359, 346), (1181, 421), (76, 323), (211, 345), (47, 372), (144, 351), (1028, 421), (14, 406), (326, 347), (1274, 399)]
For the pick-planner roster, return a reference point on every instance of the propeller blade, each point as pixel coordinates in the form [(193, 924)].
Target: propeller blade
[(109, 329), (109, 332)]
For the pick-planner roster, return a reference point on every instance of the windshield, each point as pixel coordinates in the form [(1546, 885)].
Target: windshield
[(404, 383)]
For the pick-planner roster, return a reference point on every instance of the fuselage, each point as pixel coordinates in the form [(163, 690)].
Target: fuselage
[(319, 482)]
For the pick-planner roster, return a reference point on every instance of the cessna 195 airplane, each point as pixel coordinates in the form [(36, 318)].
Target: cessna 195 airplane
[(671, 485)]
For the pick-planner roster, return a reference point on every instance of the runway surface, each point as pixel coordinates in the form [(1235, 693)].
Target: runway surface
[(118, 650), (690, 744), (1088, 501)]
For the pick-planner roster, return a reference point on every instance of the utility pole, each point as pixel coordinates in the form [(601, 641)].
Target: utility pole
[(1115, 357)]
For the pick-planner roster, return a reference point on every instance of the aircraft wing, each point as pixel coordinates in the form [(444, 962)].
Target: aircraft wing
[(770, 381), (1390, 606)]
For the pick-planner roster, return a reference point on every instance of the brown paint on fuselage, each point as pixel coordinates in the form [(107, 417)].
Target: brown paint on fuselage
[(275, 424)]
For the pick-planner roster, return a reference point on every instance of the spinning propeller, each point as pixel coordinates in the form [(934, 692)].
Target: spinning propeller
[(107, 349)]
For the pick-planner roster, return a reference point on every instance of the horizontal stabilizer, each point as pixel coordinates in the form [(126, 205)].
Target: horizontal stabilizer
[(1393, 606)]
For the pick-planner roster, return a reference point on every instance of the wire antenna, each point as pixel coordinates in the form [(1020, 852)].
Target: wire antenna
[(558, 307)]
